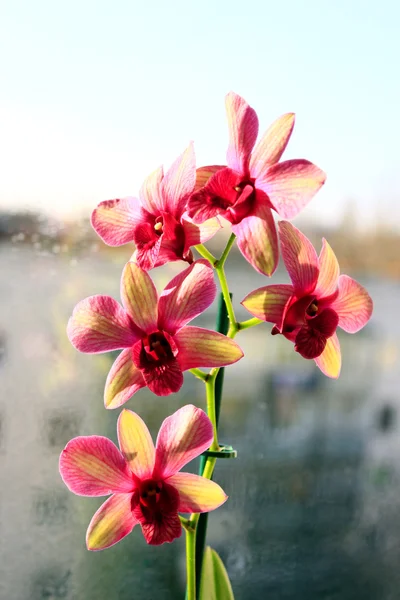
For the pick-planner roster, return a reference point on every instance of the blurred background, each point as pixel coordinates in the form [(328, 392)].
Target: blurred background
[(95, 96)]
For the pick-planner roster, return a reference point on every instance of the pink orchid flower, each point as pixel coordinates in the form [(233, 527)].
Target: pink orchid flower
[(144, 481), (253, 183), (157, 222), (318, 301), (157, 345)]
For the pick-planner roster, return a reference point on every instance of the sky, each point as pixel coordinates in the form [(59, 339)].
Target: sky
[(96, 94)]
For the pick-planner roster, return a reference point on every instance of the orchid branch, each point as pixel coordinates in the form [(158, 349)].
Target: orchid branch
[(249, 323), (205, 253)]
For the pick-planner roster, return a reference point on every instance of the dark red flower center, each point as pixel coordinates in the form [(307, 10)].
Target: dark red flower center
[(239, 203), (157, 347), (150, 493), (311, 339), (312, 310), (155, 506), (309, 324)]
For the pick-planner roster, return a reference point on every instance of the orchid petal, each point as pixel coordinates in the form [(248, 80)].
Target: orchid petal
[(139, 296), (269, 303), (168, 530), (186, 296), (124, 380), (308, 343), (243, 131), (112, 522), (198, 234), (136, 444), (257, 239), (197, 494), (182, 436), (100, 324), (330, 360), (300, 258), (147, 248), (271, 146), (353, 305), (179, 181), (198, 347), (93, 466), (290, 185), (203, 174), (115, 220), (328, 272), (164, 379), (150, 192)]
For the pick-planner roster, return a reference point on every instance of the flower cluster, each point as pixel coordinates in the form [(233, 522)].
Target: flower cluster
[(175, 212)]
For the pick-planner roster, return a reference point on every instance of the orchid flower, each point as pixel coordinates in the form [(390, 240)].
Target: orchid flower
[(253, 183), (152, 333), (319, 300), (157, 222), (145, 483)]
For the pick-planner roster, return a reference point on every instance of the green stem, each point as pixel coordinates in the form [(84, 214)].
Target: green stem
[(202, 250), (191, 564), (211, 412), (199, 374), (220, 263), (249, 323), (207, 465), (233, 326), (214, 383)]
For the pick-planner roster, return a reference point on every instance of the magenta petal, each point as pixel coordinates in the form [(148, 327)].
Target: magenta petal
[(124, 380), (179, 181), (182, 436), (139, 296), (150, 192), (290, 185), (93, 466), (257, 239), (112, 522), (203, 174), (198, 347), (243, 131), (269, 303), (100, 324), (353, 305), (271, 146), (186, 296), (300, 258), (115, 220), (147, 255)]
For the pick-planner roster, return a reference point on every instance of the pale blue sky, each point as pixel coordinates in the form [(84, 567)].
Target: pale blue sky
[(95, 95)]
